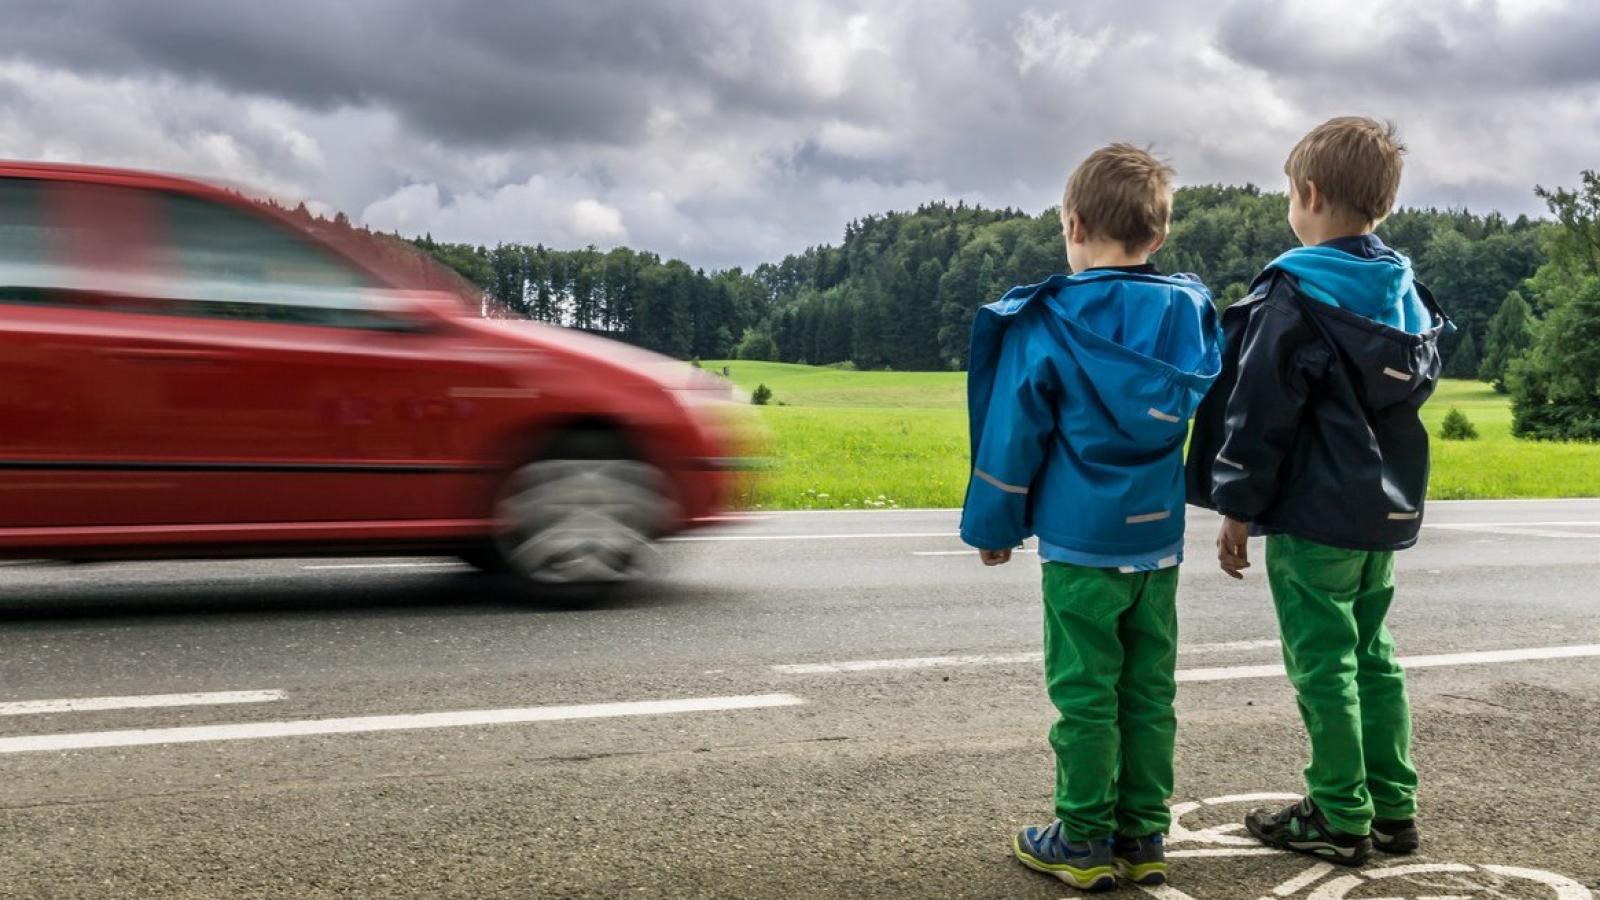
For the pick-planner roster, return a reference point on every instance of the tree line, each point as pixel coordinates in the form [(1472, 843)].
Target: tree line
[(901, 288)]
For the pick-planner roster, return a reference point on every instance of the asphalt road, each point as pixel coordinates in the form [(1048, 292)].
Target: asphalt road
[(807, 705)]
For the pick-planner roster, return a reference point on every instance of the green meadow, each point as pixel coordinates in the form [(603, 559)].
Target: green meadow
[(839, 439)]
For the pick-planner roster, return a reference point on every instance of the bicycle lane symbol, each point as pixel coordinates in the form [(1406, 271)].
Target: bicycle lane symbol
[(1324, 881)]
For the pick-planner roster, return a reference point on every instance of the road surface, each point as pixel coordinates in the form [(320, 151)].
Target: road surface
[(810, 704)]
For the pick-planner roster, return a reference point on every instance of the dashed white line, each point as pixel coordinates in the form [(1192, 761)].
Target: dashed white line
[(872, 536), (362, 724), (1221, 673), (142, 701), (978, 659), (967, 552)]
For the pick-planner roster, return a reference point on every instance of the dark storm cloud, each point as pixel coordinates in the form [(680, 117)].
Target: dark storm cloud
[(733, 131), (458, 70), (1450, 48)]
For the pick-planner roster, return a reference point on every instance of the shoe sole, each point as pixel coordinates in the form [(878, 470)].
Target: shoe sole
[(1099, 878), (1144, 874), (1314, 849), (1401, 844)]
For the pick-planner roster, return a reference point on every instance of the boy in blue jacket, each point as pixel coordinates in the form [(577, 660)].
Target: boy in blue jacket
[(1080, 390), (1313, 438)]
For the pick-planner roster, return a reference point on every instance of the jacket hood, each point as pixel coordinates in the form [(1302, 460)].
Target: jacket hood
[(1380, 288), (1146, 376)]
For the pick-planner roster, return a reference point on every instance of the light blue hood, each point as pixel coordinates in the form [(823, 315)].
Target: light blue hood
[(1380, 288)]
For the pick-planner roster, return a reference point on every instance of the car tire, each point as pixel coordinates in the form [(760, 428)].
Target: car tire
[(583, 518)]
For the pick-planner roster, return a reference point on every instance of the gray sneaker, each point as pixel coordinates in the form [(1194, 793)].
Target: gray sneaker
[(1142, 860), (1086, 865)]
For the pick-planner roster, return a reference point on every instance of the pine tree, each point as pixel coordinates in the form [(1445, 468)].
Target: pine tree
[(1510, 336), (1464, 362)]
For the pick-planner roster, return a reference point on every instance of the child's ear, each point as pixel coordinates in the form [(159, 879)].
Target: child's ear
[(1158, 243), (1075, 230), (1313, 199)]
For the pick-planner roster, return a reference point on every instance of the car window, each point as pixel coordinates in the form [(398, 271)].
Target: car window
[(28, 243), (142, 250)]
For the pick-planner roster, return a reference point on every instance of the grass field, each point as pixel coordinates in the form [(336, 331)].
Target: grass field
[(853, 440)]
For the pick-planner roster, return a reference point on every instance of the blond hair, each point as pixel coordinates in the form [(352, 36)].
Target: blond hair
[(1354, 161), (1121, 193)]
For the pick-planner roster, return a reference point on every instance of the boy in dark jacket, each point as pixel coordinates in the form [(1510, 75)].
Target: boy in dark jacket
[(1312, 437), (1080, 391)]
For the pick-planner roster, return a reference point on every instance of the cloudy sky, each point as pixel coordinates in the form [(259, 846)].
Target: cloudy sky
[(729, 132)]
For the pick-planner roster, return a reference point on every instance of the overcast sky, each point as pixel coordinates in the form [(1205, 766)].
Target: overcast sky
[(730, 133)]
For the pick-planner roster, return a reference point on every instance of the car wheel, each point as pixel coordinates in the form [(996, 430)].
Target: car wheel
[(585, 517)]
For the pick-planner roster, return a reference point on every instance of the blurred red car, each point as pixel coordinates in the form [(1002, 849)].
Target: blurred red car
[(184, 373)]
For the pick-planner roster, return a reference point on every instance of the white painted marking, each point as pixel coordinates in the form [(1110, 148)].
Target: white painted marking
[(1229, 673), (1517, 529), (967, 552), (874, 536), (977, 659), (408, 565), (919, 662), (144, 701), (1410, 662), (410, 722), (1566, 888), (1219, 673), (1468, 526), (1304, 879)]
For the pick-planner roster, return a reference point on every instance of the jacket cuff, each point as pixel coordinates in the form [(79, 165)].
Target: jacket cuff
[(1236, 515), (988, 542)]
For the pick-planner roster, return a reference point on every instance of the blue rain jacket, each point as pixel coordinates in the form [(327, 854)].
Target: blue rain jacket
[(1079, 393)]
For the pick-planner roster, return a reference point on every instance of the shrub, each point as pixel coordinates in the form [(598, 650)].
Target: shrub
[(761, 395), (757, 346), (1457, 427)]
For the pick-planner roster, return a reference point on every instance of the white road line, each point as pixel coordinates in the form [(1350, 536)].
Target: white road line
[(979, 659), (361, 724), (1222, 673), (144, 701), (967, 552), (719, 538), (919, 662), (408, 565), (1439, 660), (1524, 529)]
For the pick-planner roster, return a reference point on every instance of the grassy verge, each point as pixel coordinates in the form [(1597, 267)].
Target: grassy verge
[(853, 440)]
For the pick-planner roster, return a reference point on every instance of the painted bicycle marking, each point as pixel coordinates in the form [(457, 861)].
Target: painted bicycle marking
[(1324, 881)]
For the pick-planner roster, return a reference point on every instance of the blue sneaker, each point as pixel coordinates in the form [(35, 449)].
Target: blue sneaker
[(1086, 865), (1142, 860)]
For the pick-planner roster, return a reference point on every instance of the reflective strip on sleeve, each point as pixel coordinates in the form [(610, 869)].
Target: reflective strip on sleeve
[(1008, 488), (1149, 517), (1404, 516), (1396, 374), (1228, 462), (1165, 417)]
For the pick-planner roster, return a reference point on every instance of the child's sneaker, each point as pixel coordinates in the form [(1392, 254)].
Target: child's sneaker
[(1142, 860), (1301, 828), (1086, 865), (1397, 836)]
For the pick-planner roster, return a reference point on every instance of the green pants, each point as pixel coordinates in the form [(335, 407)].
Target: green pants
[(1331, 604), (1110, 648)]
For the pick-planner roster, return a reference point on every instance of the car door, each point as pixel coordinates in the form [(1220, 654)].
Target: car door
[(55, 408), (258, 378)]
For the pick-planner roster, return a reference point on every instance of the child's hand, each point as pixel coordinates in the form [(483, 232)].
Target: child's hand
[(1233, 547), (995, 557)]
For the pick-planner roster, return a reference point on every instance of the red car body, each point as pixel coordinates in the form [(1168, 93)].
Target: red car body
[(184, 373)]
